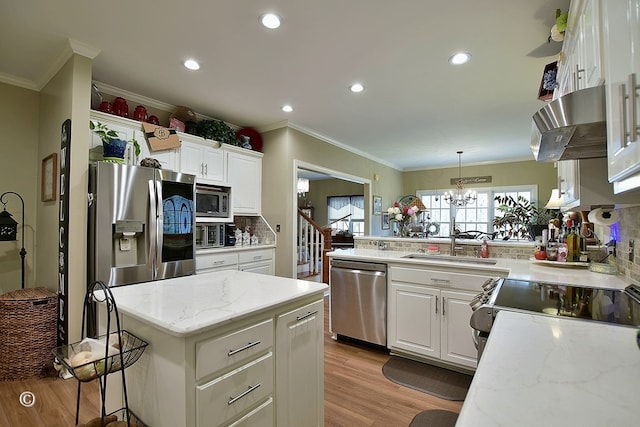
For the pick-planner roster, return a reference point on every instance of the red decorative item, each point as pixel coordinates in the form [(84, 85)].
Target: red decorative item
[(153, 120), (140, 113), (120, 107), (255, 139), (105, 107)]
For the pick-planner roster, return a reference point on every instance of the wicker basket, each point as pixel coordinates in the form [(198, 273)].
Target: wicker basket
[(27, 332)]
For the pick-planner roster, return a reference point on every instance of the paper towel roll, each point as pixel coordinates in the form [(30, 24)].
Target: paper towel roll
[(603, 216)]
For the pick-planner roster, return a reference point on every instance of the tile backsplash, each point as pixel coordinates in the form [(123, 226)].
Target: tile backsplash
[(628, 229)]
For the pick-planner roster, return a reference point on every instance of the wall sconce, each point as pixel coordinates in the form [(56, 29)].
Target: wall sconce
[(9, 227)]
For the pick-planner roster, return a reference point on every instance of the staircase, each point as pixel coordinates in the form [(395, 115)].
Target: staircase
[(313, 243)]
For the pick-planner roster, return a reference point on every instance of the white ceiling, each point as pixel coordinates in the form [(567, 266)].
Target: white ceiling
[(416, 110)]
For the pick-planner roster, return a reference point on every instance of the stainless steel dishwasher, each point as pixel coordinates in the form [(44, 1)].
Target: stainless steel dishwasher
[(358, 305)]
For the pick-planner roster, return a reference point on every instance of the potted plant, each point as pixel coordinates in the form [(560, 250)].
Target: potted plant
[(113, 148), (520, 219), (217, 130)]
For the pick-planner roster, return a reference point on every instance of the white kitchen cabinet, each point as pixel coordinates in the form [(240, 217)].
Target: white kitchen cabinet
[(128, 130), (257, 261), (582, 66), (429, 313), (244, 176), (206, 262), (622, 68), (414, 326), (456, 312), (300, 366), (207, 163), (583, 184)]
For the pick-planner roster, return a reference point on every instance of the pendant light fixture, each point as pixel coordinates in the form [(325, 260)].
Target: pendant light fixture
[(303, 186), (460, 198)]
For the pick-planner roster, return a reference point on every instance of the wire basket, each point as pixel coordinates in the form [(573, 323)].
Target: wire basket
[(86, 361), (133, 419)]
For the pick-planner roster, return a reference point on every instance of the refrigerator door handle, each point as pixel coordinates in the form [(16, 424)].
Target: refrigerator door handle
[(152, 228), (159, 224)]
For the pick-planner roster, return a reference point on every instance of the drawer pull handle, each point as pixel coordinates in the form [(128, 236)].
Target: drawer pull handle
[(309, 314), (433, 279), (218, 262), (257, 257), (243, 394), (246, 347)]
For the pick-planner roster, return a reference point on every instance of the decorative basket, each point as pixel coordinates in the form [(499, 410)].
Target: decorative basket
[(97, 365), (27, 332)]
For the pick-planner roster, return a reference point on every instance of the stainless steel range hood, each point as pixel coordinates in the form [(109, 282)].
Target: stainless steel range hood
[(571, 127)]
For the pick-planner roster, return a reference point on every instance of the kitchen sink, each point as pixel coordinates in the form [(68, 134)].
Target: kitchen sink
[(450, 258)]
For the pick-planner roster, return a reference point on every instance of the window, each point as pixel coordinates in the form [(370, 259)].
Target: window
[(474, 217), (341, 206)]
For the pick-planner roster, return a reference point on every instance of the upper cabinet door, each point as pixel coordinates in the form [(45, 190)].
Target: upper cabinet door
[(244, 176), (622, 67)]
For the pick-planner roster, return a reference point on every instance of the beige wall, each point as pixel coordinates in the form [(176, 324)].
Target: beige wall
[(31, 123), (513, 173), (19, 172), (321, 189), (66, 95), (282, 148)]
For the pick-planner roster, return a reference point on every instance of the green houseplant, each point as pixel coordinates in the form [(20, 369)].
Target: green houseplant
[(113, 147), (217, 130), (520, 218)]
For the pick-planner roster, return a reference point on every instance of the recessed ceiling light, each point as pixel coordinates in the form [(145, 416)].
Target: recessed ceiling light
[(287, 108), (460, 58), (271, 20), (356, 87), (192, 64)]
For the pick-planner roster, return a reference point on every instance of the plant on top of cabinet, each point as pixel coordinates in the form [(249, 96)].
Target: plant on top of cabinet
[(217, 130), (113, 147)]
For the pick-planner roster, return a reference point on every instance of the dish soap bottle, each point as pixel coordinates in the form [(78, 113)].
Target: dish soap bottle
[(484, 249)]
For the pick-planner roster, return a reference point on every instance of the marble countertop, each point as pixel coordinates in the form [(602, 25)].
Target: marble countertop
[(192, 304), (539, 370), (513, 268)]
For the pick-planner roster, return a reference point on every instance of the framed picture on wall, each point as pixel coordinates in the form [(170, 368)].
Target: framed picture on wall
[(377, 205), (385, 221), (48, 177)]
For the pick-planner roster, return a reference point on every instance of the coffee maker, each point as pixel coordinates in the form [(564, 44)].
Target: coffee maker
[(230, 235)]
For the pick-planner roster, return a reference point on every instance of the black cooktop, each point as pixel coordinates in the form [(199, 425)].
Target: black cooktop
[(603, 305)]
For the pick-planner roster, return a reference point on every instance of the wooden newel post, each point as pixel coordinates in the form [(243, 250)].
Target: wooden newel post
[(326, 232)]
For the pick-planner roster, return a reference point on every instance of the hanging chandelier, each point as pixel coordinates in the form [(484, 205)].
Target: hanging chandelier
[(303, 186), (460, 198)]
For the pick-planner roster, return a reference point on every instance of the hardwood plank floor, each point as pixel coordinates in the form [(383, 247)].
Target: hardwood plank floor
[(356, 393)]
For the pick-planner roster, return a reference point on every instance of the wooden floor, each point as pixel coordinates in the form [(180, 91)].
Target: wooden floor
[(356, 393)]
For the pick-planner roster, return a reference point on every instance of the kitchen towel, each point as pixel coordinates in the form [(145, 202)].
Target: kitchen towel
[(603, 216)]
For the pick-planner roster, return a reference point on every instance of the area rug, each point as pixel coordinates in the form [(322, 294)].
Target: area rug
[(426, 378), (434, 418)]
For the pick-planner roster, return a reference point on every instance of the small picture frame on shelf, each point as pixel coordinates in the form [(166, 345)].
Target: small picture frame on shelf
[(548, 83), (377, 205), (385, 225), (48, 178)]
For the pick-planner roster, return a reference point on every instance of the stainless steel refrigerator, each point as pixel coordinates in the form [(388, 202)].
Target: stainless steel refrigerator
[(141, 224)]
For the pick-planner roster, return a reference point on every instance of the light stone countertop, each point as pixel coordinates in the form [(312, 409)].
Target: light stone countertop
[(513, 268), (549, 371), (192, 304)]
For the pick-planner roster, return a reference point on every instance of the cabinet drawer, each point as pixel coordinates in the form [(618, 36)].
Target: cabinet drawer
[(256, 255), (217, 261), (233, 349), (228, 396), (442, 279), (262, 416)]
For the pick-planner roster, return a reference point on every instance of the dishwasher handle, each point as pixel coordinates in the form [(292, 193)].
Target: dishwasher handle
[(358, 265)]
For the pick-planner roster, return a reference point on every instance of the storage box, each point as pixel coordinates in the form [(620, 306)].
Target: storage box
[(160, 138)]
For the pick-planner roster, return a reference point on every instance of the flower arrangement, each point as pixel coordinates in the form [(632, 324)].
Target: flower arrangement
[(402, 214)]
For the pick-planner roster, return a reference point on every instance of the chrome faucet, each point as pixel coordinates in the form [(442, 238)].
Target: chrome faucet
[(453, 235)]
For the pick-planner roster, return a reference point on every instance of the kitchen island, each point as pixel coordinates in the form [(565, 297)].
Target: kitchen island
[(539, 370), (224, 347)]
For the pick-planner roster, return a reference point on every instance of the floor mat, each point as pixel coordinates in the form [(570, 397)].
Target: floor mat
[(427, 378), (434, 418)]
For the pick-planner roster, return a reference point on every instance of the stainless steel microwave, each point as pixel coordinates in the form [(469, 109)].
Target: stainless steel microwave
[(210, 235), (213, 201)]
